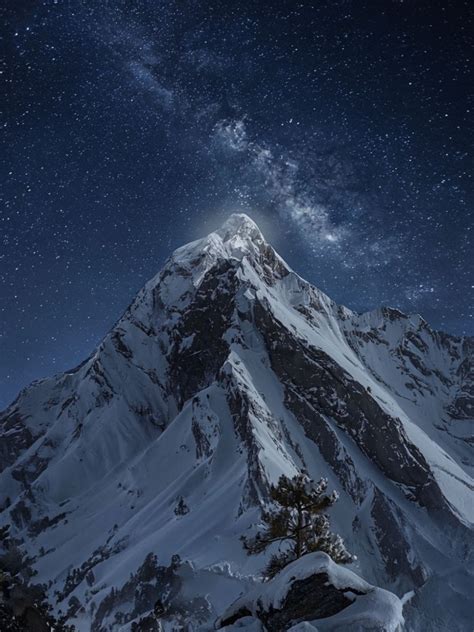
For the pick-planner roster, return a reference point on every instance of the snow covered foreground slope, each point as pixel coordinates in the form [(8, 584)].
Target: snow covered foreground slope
[(226, 371)]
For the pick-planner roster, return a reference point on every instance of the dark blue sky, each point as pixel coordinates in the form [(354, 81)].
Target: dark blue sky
[(130, 128)]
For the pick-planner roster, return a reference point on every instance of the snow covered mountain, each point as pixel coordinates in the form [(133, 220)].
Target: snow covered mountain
[(226, 371)]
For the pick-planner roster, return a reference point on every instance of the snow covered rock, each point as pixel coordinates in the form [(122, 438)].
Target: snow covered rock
[(226, 371), (314, 590), (245, 624)]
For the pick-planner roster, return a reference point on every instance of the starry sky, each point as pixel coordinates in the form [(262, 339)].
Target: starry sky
[(343, 127)]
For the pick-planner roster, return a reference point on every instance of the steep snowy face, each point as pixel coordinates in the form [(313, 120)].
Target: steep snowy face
[(226, 371)]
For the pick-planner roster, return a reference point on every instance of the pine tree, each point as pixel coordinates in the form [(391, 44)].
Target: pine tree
[(298, 521)]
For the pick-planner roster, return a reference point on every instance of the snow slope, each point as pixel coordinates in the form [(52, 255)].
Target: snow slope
[(227, 370)]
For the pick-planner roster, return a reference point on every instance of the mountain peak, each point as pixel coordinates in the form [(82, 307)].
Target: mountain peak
[(238, 237), (241, 225)]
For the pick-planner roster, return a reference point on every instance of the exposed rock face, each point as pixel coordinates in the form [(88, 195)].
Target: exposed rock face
[(155, 592), (307, 599), (316, 386), (462, 407), (226, 371), (16, 436), (314, 588)]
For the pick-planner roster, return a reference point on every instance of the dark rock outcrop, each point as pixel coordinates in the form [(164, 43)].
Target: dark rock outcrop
[(313, 588)]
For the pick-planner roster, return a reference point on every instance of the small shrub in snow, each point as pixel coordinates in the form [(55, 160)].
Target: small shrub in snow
[(298, 521)]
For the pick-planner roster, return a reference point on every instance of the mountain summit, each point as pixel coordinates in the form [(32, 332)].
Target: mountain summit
[(130, 480), (239, 235), (240, 225)]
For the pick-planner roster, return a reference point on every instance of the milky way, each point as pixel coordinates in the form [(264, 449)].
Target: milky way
[(133, 127)]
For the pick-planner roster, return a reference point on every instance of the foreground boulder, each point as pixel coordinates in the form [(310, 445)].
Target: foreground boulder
[(314, 593)]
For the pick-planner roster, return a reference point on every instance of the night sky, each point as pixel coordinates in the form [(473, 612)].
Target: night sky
[(129, 128)]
